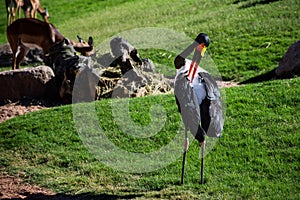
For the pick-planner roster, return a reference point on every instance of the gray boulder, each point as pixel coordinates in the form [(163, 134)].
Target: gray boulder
[(36, 82), (126, 55), (289, 65), (129, 84)]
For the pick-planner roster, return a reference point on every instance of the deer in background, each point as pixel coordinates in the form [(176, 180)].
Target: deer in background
[(13, 7), (83, 47), (30, 7), (27, 33)]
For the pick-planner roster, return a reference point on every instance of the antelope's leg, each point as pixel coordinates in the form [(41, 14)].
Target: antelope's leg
[(15, 51), (8, 18), (13, 15), (22, 51), (19, 13), (14, 60)]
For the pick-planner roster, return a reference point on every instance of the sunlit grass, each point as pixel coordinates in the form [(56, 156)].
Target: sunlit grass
[(257, 157), (247, 38)]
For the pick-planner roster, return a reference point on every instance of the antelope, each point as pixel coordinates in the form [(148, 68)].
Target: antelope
[(28, 33), (31, 6), (13, 7), (83, 47)]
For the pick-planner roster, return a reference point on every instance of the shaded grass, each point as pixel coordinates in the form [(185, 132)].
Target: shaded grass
[(256, 159)]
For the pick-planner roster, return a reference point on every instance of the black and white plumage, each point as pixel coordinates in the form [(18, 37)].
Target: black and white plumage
[(197, 97)]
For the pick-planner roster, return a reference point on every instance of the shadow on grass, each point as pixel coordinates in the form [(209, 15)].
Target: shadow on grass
[(86, 196), (261, 78), (253, 3), (271, 75)]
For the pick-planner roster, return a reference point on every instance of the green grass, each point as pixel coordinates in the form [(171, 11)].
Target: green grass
[(248, 37), (256, 159)]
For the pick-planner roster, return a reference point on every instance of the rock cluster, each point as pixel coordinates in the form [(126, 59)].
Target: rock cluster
[(74, 78), (129, 75)]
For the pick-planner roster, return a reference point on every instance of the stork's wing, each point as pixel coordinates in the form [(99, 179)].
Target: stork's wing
[(215, 107), (217, 121), (187, 103), (212, 88)]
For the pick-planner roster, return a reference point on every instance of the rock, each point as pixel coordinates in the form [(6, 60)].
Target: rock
[(84, 89), (289, 65), (33, 56), (147, 65), (125, 54), (37, 82), (121, 48), (70, 68), (120, 91), (129, 84), (129, 75), (5, 55)]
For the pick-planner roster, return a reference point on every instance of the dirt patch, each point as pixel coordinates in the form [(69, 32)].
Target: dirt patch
[(21, 107), (13, 187), (14, 109), (226, 84)]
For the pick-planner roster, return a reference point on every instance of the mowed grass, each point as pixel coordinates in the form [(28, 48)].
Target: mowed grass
[(248, 37), (257, 158)]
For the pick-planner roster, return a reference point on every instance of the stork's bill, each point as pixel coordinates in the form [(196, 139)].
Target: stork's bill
[(202, 49)]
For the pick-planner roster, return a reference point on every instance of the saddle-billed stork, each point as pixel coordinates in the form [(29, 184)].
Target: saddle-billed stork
[(198, 98)]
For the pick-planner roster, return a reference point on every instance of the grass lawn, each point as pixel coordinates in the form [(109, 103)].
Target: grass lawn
[(258, 156), (256, 159)]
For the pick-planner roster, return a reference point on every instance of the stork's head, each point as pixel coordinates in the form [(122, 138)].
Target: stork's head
[(203, 42), (202, 38)]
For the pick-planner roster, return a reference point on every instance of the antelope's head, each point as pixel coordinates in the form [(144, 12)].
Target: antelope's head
[(83, 47), (46, 15)]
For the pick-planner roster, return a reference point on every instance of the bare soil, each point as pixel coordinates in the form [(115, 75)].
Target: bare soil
[(14, 109), (13, 187)]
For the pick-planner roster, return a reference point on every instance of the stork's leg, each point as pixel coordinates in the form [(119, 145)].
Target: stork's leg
[(186, 146), (202, 161)]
